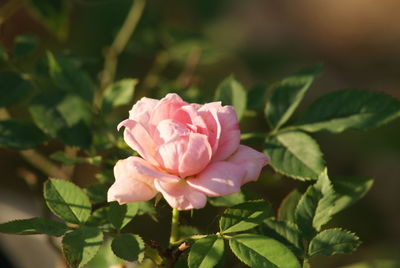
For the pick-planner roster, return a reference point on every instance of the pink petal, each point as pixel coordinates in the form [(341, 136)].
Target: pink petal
[(169, 130), (209, 113), (142, 110), (197, 155), (250, 160), (137, 137), (180, 195), (218, 179), (229, 137), (130, 184), (166, 108), (169, 154)]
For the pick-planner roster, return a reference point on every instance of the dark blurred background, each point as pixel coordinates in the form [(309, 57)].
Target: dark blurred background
[(191, 46)]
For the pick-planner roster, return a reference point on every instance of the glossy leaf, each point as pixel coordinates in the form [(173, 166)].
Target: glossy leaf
[(286, 95), (34, 226), (64, 117), (67, 201), (285, 232), (333, 241), (288, 206), (129, 247), (13, 88), (244, 216), (262, 252), (349, 109), (315, 206), (69, 77), (81, 245), (18, 134), (206, 252), (295, 154), (118, 93), (231, 92)]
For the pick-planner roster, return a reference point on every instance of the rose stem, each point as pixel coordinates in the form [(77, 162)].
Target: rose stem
[(174, 227)]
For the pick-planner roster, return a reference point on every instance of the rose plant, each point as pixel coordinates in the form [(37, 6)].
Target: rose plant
[(185, 155)]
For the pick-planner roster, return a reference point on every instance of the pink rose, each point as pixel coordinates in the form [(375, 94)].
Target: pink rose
[(189, 152)]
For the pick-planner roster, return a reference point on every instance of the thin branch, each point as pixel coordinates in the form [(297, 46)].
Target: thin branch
[(118, 45)]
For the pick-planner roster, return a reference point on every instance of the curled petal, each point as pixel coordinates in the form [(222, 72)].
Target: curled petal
[(130, 184), (197, 155), (142, 110), (137, 137), (250, 160), (229, 138), (218, 179), (169, 154), (180, 195)]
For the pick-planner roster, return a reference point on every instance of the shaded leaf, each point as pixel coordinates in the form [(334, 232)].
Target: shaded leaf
[(34, 226), (349, 109), (295, 154), (256, 97), (206, 252), (81, 245), (67, 76), (97, 193), (286, 96), (231, 92), (24, 46), (120, 215), (233, 199), (64, 117), (262, 252), (67, 160), (129, 247), (67, 201), (288, 206), (333, 241), (13, 88), (285, 232), (105, 257), (244, 216), (18, 134), (118, 93)]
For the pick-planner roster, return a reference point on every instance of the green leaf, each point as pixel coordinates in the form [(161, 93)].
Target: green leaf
[(256, 97), (120, 215), (53, 14), (349, 190), (64, 117), (286, 96), (99, 219), (231, 92), (244, 216), (295, 154), (129, 247), (13, 88), (118, 93), (333, 241), (69, 77), (18, 134), (67, 201), (34, 226), (25, 46), (349, 109), (147, 207), (81, 245), (262, 252), (288, 206), (206, 252), (97, 193), (105, 258), (233, 199), (285, 232), (315, 206), (377, 263)]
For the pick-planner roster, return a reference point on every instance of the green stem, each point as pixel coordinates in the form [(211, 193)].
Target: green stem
[(118, 45), (174, 227)]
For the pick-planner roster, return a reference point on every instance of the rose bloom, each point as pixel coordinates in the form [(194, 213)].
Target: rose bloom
[(188, 152)]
